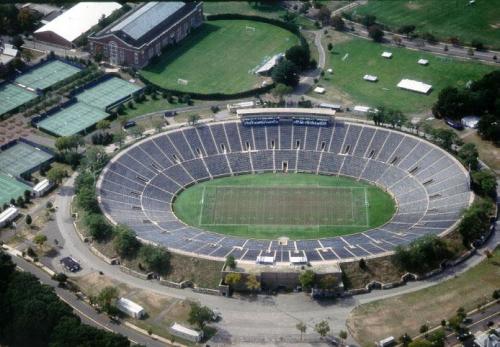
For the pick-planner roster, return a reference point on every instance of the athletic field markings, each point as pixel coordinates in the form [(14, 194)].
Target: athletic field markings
[(202, 202)]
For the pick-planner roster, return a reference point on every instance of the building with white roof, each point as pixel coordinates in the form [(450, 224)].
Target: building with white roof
[(186, 333), (414, 86), (8, 216), (130, 308), (262, 259), (73, 23), (8, 53), (137, 37), (41, 188)]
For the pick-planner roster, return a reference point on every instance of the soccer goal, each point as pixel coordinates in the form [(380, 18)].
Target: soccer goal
[(182, 82)]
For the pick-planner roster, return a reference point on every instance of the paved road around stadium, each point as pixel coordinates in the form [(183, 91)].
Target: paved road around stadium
[(266, 320)]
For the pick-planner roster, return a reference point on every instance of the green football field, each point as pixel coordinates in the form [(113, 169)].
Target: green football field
[(353, 58), (443, 18), (220, 56), (298, 206)]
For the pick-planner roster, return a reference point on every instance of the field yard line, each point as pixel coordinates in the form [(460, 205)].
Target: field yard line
[(202, 203), (352, 204)]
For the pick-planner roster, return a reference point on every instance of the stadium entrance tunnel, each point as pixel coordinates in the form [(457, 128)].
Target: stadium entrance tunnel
[(281, 206), (144, 184)]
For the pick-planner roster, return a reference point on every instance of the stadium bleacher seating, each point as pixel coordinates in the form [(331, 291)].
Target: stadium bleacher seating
[(138, 186)]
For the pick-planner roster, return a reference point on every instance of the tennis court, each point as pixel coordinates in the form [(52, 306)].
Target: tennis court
[(21, 158), (12, 96), (293, 206), (107, 93), (11, 189), (73, 119), (47, 75)]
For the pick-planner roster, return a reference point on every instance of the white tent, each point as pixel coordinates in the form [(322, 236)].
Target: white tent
[(361, 109), (319, 90), (75, 21), (387, 55), (298, 260), (261, 259), (370, 78), (470, 121), (8, 215), (414, 86), (423, 62)]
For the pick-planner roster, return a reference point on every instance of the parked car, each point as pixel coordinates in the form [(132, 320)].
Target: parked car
[(129, 124), (70, 264)]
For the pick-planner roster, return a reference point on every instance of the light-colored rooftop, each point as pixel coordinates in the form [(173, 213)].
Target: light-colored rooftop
[(146, 18), (79, 19)]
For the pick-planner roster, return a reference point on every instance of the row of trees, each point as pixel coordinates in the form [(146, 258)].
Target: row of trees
[(32, 315), (124, 240), (15, 21), (297, 59), (423, 254)]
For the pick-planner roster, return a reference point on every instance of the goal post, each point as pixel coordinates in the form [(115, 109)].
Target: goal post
[(249, 28)]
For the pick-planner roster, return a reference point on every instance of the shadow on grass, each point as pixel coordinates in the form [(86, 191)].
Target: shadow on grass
[(177, 50)]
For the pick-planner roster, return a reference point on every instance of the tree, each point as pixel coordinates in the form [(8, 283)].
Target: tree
[(158, 125), (281, 90), (231, 261), (137, 131), (397, 40), (125, 243), (61, 278), (484, 182), (437, 338), (405, 340), (302, 328), (86, 200), (342, 336), (106, 299), (489, 128), (327, 282), (468, 153), (28, 220), (17, 41), (252, 283), (322, 328), (299, 55), (307, 279), (67, 143), (156, 259), (103, 124), (324, 15), (98, 227), (119, 137), (338, 23), (40, 239), (286, 72), (200, 315), (407, 29), (424, 328), (368, 20), (329, 46), (376, 33), (474, 223), (95, 159), (232, 279), (27, 196), (446, 138), (193, 119), (20, 201)]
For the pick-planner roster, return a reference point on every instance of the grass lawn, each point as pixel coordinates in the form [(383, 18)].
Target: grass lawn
[(352, 58), (271, 205), (220, 56), (150, 106), (406, 313), (443, 19)]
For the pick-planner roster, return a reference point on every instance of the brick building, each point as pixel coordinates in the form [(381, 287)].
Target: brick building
[(141, 34)]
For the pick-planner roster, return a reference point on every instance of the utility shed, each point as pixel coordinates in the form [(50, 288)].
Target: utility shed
[(8, 216), (186, 333), (414, 86), (130, 308)]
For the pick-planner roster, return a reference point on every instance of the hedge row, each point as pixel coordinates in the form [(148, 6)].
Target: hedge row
[(247, 93)]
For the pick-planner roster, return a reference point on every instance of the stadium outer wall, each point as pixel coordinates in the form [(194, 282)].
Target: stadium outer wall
[(208, 257)]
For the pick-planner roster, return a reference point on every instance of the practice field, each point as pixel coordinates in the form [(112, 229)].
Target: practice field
[(11, 189), (107, 93), (72, 120), (47, 75), (21, 158), (220, 56), (12, 96), (292, 205), (353, 58), (444, 19)]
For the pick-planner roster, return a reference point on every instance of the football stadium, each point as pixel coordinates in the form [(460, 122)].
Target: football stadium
[(282, 183)]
